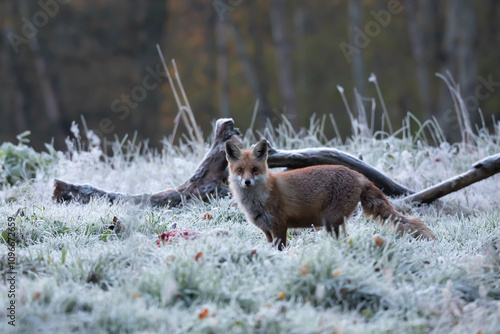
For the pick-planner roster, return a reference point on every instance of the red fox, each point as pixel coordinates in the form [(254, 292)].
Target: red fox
[(313, 196)]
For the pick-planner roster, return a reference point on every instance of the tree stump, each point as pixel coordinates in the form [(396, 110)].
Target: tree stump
[(209, 179)]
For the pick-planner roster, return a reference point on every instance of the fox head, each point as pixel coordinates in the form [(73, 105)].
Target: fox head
[(247, 168)]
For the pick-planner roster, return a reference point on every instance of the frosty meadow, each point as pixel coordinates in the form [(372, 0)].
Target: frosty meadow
[(75, 273)]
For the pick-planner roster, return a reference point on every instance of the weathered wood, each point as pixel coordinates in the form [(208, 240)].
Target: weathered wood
[(330, 156), (209, 179), (480, 171), (83, 193)]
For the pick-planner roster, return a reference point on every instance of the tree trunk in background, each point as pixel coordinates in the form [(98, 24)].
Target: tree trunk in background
[(11, 103), (222, 66), (4, 63), (419, 55), (258, 33), (301, 52), (49, 97), (284, 61), (446, 115), (429, 21), (466, 57), (248, 68), (355, 9), (460, 61), (493, 12), (19, 95), (147, 21)]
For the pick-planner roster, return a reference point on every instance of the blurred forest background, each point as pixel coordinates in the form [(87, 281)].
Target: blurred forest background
[(60, 59)]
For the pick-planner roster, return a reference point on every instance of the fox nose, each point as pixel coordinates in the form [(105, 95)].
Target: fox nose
[(248, 182)]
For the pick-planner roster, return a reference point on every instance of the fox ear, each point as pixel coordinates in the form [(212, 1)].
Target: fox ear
[(233, 152), (260, 150)]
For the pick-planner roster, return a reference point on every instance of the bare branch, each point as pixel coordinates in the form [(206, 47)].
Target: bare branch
[(209, 179), (480, 171)]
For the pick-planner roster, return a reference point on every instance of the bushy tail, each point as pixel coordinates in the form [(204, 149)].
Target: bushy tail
[(376, 206)]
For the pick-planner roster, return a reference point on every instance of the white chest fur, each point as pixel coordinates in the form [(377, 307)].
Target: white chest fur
[(253, 202)]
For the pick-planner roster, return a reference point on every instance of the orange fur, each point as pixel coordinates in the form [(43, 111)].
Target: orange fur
[(313, 196)]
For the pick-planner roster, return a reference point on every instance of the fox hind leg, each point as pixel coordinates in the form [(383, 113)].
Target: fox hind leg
[(333, 220), (333, 225)]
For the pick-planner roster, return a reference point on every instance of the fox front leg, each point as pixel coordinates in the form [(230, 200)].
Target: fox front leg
[(279, 237), (269, 236)]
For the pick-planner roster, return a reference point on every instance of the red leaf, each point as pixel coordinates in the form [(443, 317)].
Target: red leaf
[(203, 314)]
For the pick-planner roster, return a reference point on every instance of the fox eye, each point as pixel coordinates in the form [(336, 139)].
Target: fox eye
[(255, 169), (239, 170)]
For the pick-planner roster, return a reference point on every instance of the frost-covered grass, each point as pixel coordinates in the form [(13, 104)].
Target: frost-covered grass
[(76, 275)]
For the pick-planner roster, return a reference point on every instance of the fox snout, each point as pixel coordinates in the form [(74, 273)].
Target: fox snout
[(247, 182)]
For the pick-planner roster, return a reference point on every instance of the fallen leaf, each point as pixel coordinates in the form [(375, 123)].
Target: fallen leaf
[(203, 314), (169, 236), (170, 258), (336, 273), (198, 256), (207, 216), (36, 295), (304, 270), (281, 295), (379, 240)]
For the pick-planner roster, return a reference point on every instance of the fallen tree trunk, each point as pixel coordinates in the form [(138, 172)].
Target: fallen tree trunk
[(210, 178), (83, 193), (480, 171)]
